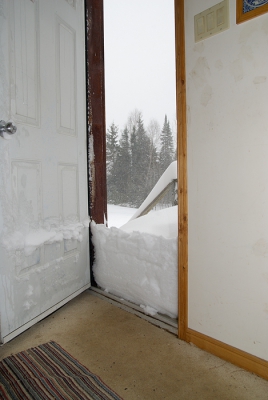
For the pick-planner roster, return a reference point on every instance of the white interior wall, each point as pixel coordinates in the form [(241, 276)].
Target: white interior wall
[(227, 120)]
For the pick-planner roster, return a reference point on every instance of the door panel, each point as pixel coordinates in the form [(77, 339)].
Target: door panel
[(43, 167), (25, 66), (66, 53)]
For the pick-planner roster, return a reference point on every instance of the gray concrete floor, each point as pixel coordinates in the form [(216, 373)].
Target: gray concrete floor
[(137, 359)]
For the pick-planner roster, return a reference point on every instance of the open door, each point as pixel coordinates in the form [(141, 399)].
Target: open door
[(44, 250)]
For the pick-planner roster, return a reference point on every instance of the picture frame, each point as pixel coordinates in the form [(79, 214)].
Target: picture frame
[(248, 9)]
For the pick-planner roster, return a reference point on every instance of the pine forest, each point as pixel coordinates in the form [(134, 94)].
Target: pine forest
[(136, 158)]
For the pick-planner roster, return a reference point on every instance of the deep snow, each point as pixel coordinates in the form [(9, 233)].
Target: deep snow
[(159, 223), (139, 261)]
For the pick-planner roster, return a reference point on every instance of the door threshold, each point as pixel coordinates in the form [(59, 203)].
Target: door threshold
[(160, 320)]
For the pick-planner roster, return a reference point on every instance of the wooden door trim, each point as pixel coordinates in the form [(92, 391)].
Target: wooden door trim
[(97, 136), (182, 171), (96, 129)]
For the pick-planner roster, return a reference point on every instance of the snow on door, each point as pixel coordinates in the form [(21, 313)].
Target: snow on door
[(43, 167)]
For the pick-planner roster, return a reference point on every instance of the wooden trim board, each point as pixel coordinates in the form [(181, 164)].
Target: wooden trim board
[(229, 353), (182, 168)]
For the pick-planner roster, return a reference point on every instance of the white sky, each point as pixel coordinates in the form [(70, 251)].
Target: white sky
[(139, 60)]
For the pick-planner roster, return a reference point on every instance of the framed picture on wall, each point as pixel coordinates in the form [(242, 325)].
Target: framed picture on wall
[(247, 9)]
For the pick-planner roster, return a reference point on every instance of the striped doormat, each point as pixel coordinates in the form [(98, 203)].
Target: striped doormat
[(49, 372)]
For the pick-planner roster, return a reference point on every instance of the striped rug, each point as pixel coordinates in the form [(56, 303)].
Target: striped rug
[(49, 372)]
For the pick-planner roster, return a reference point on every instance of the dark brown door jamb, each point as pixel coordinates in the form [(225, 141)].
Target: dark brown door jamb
[(96, 110)]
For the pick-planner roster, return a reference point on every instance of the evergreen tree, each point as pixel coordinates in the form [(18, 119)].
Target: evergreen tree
[(153, 167), (140, 161), (166, 154), (111, 155), (133, 169), (111, 146), (166, 157), (154, 132), (135, 163), (122, 171)]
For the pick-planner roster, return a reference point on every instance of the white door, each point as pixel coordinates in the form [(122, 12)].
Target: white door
[(44, 251)]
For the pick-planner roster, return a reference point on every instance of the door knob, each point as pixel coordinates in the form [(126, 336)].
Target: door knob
[(7, 128)]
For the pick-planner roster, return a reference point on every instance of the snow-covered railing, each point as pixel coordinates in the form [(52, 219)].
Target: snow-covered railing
[(164, 184)]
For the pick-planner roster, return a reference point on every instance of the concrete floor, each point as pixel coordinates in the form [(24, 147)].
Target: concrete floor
[(137, 359)]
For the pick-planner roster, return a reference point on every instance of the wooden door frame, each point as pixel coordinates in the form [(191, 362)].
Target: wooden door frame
[(96, 126), (182, 171), (97, 135)]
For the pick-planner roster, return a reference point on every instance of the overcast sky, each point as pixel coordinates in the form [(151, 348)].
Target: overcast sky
[(139, 60)]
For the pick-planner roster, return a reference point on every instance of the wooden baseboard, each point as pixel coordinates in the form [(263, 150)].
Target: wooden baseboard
[(228, 353)]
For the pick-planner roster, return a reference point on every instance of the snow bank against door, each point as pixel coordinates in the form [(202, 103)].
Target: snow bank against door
[(138, 262)]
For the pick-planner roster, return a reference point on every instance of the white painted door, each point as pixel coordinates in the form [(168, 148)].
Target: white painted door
[(44, 252)]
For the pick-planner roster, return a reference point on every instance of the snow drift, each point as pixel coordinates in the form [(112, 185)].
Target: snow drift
[(139, 261)]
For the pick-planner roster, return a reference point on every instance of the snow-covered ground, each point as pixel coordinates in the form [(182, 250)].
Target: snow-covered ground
[(138, 262), (118, 216)]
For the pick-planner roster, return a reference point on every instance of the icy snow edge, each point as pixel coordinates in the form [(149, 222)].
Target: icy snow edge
[(160, 223)]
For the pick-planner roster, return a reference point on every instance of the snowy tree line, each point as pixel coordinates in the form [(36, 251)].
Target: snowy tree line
[(136, 159)]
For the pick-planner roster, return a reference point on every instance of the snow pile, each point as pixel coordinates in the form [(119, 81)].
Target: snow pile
[(161, 223), (139, 261), (54, 232)]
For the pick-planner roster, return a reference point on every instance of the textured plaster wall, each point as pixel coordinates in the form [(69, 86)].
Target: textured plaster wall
[(227, 119)]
